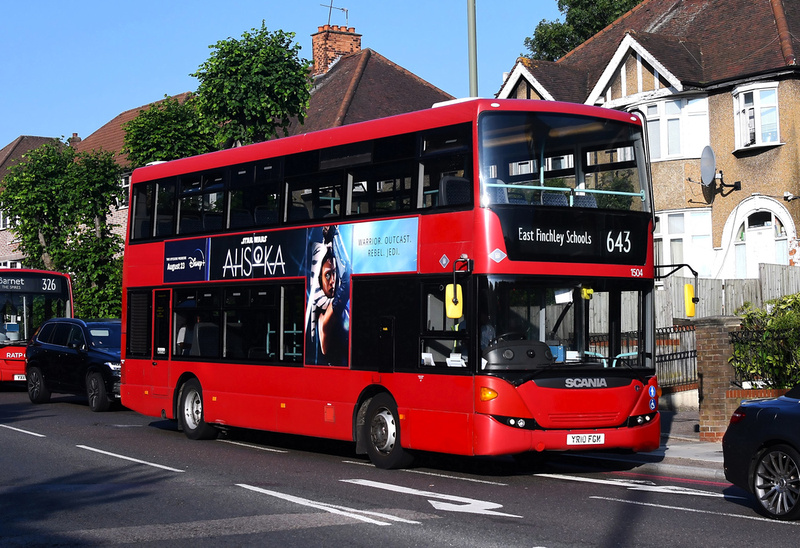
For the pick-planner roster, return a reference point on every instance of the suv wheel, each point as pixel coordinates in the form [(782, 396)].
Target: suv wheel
[(96, 392), (37, 390)]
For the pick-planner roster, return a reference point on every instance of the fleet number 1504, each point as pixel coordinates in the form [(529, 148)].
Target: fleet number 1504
[(618, 242)]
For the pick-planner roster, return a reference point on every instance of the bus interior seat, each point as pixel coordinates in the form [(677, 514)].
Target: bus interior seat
[(205, 339), (241, 218), (190, 224), (164, 225), (585, 200), (257, 353), (454, 190), (496, 194), (298, 212), (212, 221), (266, 215), (233, 341), (558, 199)]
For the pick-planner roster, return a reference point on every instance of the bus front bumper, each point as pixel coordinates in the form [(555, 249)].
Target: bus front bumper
[(494, 438)]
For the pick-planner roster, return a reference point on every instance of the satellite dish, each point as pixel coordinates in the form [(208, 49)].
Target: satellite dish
[(708, 173), (708, 166)]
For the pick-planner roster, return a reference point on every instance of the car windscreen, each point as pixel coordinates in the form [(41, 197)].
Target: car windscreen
[(105, 336)]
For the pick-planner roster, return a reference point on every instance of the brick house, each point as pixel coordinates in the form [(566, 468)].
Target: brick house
[(10, 155), (350, 85), (722, 74)]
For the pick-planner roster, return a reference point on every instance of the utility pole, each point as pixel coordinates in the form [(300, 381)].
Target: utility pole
[(473, 49)]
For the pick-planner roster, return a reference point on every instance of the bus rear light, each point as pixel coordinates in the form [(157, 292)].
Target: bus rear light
[(487, 394)]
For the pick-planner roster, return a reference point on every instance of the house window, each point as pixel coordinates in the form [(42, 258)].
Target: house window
[(677, 128), (5, 221), (684, 237), (756, 112)]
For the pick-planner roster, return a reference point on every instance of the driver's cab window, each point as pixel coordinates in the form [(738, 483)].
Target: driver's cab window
[(445, 341)]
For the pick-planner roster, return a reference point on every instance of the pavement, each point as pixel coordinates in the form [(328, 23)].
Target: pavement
[(681, 451)]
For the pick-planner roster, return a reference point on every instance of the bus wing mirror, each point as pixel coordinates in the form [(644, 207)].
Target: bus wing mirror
[(689, 300), (453, 298)]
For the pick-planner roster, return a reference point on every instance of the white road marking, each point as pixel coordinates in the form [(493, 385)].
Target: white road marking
[(251, 446), (697, 511), (361, 515), (457, 478), (456, 504), (639, 486), (446, 476), (23, 431), (115, 455)]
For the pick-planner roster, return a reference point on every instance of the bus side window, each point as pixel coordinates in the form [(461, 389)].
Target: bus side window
[(142, 215), (445, 341), (315, 196), (165, 208), (380, 189), (438, 173)]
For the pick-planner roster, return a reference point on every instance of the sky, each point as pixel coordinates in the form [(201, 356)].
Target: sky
[(71, 67)]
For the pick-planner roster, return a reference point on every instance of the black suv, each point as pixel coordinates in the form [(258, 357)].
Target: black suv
[(76, 357)]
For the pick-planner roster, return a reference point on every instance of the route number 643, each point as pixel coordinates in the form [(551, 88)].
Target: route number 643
[(619, 243)]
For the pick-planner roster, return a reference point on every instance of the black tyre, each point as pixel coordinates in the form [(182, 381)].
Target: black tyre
[(37, 390), (776, 482), (381, 432), (190, 413), (96, 392)]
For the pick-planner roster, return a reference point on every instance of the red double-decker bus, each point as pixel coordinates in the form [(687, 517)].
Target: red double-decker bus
[(473, 279), (27, 298)]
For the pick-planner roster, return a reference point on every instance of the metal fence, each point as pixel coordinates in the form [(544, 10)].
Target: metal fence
[(676, 353)]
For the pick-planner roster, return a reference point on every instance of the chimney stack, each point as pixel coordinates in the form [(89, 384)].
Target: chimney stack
[(331, 42)]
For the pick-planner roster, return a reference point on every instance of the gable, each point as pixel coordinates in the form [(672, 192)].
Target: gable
[(633, 71)]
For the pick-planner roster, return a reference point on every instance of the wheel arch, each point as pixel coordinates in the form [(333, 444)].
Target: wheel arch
[(765, 446), (361, 410)]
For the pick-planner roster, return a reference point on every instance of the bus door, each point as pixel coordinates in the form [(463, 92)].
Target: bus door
[(157, 374)]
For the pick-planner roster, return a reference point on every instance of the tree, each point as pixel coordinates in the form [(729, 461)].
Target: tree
[(60, 200), (252, 87), (167, 130), (583, 19)]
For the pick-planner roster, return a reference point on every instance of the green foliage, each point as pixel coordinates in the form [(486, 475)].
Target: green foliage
[(767, 348), (60, 200), (619, 181), (167, 130), (583, 19), (252, 87)]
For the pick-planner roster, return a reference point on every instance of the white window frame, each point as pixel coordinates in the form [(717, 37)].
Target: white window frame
[(687, 127), (6, 222), (689, 236), (749, 118)]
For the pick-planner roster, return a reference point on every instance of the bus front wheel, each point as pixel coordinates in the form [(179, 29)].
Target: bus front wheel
[(382, 434), (190, 412)]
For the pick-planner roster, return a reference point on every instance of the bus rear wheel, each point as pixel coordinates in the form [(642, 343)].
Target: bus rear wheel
[(381, 431), (190, 413)]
